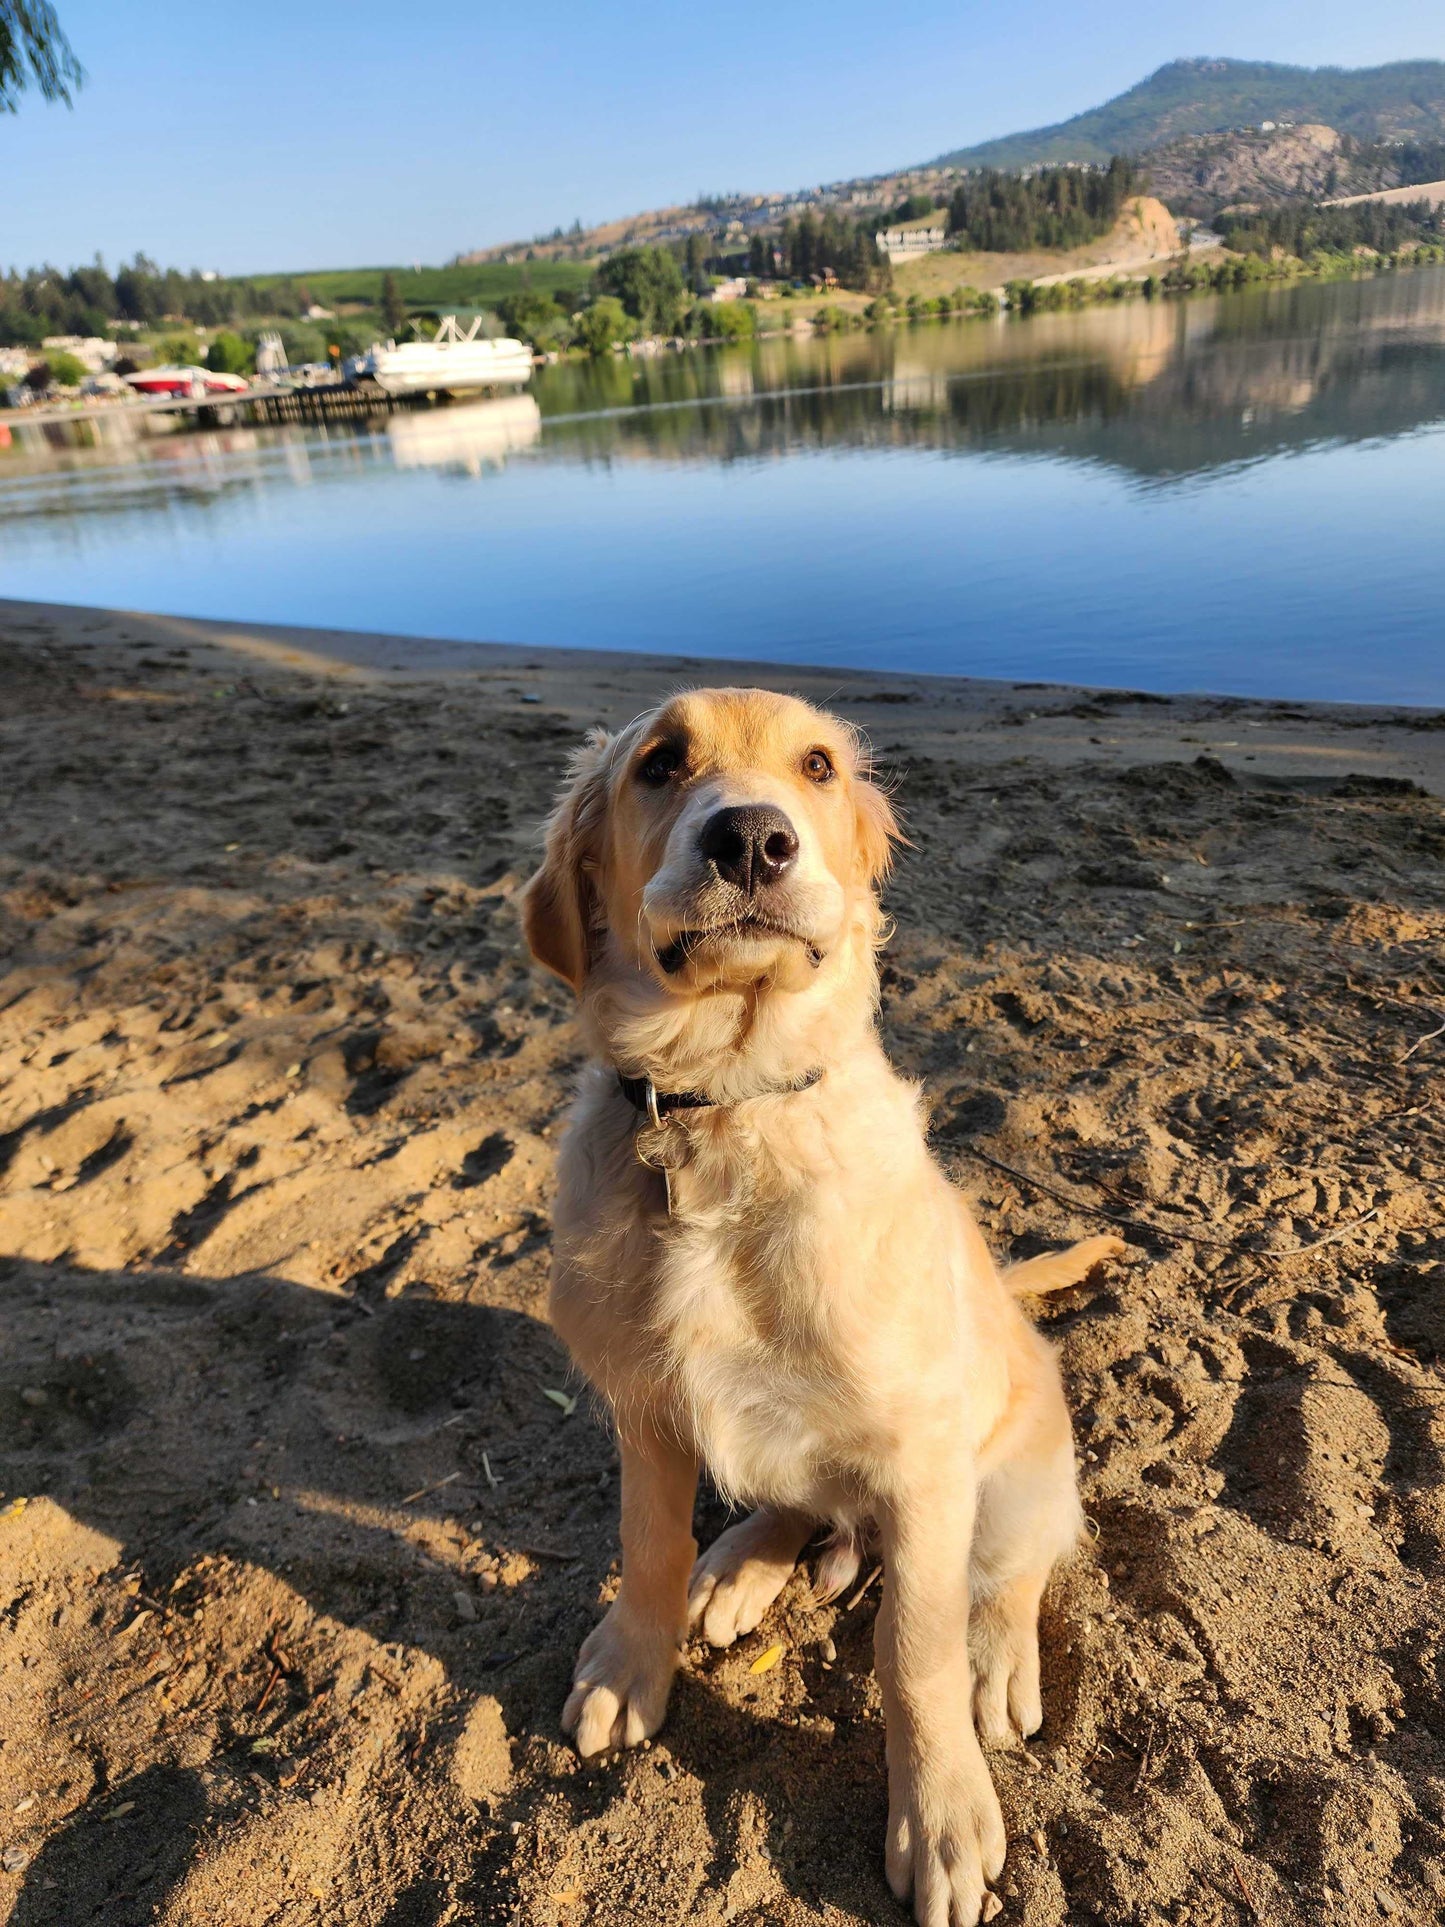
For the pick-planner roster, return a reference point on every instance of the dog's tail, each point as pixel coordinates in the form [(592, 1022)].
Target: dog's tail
[(1057, 1270)]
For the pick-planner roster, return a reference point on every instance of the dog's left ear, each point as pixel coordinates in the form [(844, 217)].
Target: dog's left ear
[(559, 905), (876, 830)]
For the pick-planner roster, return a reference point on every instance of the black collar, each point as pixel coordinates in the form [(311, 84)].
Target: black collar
[(654, 1104)]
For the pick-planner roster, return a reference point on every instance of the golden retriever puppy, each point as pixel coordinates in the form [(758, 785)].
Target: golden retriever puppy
[(760, 1266)]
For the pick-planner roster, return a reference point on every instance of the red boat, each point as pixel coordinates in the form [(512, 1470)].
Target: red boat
[(194, 383)]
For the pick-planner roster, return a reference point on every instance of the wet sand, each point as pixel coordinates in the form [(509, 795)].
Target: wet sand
[(306, 1546)]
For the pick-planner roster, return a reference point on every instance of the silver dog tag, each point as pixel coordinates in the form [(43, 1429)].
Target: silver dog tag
[(661, 1144)]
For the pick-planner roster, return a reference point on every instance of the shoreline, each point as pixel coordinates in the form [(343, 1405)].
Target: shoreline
[(836, 310), (986, 718)]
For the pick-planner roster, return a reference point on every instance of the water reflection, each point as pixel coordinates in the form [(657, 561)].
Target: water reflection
[(469, 439), (1160, 390)]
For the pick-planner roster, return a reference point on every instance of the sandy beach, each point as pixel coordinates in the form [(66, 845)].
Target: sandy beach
[(301, 1521)]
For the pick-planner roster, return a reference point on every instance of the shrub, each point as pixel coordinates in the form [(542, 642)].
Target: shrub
[(228, 354), (730, 320), (66, 371), (602, 325), (832, 319)]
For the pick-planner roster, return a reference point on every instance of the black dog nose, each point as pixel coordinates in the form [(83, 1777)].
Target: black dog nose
[(749, 845)]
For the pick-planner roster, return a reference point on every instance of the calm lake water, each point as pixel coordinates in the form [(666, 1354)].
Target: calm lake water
[(1243, 494)]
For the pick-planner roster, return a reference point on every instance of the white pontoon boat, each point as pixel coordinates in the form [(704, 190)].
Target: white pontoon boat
[(451, 362)]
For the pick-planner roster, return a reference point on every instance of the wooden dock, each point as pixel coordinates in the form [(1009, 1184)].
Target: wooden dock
[(268, 403), (333, 402)]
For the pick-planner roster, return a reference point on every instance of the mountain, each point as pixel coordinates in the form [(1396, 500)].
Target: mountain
[(1199, 174), (1208, 96)]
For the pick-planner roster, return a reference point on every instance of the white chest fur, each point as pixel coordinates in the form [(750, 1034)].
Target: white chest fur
[(737, 1311)]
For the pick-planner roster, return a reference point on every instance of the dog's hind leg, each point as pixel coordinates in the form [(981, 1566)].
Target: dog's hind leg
[(743, 1571)]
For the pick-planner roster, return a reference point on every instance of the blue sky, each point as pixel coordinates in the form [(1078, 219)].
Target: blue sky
[(370, 131)]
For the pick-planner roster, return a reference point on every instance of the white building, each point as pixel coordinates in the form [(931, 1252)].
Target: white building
[(902, 243), (93, 352)]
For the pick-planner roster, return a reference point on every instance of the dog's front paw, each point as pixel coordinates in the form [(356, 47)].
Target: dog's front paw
[(620, 1684), (945, 1844), (741, 1574)]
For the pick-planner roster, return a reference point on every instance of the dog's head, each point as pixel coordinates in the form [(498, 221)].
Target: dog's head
[(730, 838)]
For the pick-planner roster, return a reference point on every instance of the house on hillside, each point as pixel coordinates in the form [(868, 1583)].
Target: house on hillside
[(911, 238)]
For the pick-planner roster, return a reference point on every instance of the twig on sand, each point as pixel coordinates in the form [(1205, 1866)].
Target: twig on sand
[(1248, 1896), (269, 1687), (876, 1573), (423, 1491), (1439, 1032), (280, 1668), (1145, 1758)]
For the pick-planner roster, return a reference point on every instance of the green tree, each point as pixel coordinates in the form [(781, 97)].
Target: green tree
[(228, 354), (697, 261), (913, 207), (393, 308), (648, 283), (34, 52), (302, 343), (1058, 207), (604, 323), (529, 316)]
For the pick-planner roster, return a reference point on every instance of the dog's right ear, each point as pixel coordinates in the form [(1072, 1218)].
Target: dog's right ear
[(559, 905)]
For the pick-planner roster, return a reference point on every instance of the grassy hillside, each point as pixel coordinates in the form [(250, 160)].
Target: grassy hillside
[(478, 285), (1207, 96)]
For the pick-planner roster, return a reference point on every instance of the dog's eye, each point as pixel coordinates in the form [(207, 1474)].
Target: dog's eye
[(818, 766), (659, 765)]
